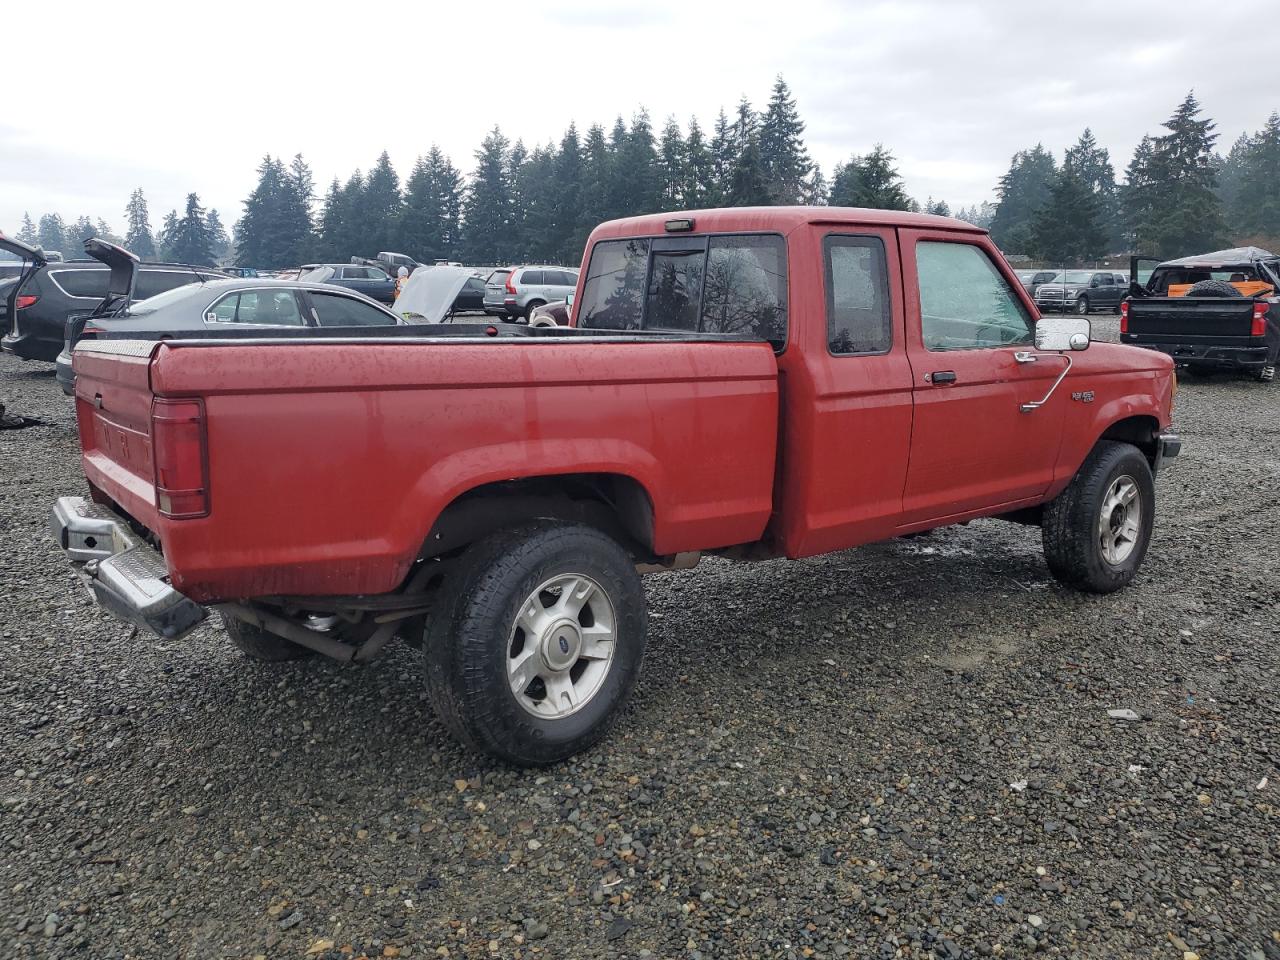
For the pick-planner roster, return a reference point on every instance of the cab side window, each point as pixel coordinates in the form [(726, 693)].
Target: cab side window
[(965, 302), (858, 316)]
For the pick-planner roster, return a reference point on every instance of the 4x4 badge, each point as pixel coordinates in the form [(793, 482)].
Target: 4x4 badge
[(1084, 396)]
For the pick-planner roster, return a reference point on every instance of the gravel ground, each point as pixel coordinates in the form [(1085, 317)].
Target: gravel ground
[(897, 751)]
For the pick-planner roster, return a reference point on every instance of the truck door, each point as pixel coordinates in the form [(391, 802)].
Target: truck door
[(971, 345), (847, 391)]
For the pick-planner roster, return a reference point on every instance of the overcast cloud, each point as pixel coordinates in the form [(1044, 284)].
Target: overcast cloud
[(174, 100)]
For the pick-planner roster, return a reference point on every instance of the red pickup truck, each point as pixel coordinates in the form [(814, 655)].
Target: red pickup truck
[(774, 382)]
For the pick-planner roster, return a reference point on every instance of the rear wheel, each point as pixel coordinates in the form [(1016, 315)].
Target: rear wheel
[(258, 644), (1096, 532), (536, 642)]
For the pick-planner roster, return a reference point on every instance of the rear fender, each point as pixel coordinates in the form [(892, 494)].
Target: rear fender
[(465, 471)]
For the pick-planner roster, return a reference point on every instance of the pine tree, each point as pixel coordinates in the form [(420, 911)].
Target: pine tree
[(1256, 209), (378, 211), (102, 230), (1023, 191), (1138, 199), (52, 233), (432, 208), (487, 228), (869, 181), (748, 187), (219, 242), (672, 160), (563, 237), (1069, 227), (330, 225), (536, 194), (724, 157), (1188, 214), (27, 232), (190, 241), (699, 183), (595, 205), (938, 208), (137, 237), (297, 229), (260, 231), (76, 234), (636, 169), (1090, 164), (783, 156), (168, 230)]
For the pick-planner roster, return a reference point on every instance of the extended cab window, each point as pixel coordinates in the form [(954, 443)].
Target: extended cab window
[(335, 310), (965, 302), (858, 317), (612, 298), (721, 284), (276, 308)]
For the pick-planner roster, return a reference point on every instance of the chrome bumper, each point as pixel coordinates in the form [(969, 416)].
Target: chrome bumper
[(125, 574), (1168, 446)]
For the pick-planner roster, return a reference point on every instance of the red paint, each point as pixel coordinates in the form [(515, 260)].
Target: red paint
[(328, 463)]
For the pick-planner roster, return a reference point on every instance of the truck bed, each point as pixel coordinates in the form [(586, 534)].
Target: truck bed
[(418, 420)]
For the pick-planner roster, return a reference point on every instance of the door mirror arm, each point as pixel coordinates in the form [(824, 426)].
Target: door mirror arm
[(1037, 404)]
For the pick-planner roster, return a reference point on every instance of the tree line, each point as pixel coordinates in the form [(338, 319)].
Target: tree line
[(1177, 195)]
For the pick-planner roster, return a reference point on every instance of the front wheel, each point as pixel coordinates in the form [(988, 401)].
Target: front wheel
[(1082, 306), (1096, 532), (536, 642)]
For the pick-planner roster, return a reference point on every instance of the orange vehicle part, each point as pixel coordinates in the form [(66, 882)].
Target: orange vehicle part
[(1248, 288)]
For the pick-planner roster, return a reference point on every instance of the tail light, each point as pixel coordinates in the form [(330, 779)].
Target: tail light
[(24, 301), (180, 448), (1124, 317), (1259, 328), (511, 287)]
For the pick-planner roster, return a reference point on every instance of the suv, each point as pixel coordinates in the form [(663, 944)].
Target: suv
[(495, 291), (1081, 291), (60, 291), (528, 288)]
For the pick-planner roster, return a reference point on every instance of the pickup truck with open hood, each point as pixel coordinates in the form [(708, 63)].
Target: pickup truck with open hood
[(753, 383)]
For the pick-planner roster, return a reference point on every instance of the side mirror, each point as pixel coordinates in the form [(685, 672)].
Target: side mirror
[(1062, 333), (568, 300)]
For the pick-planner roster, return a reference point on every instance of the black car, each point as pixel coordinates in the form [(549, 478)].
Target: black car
[(470, 297), (54, 292), (371, 281), (223, 304)]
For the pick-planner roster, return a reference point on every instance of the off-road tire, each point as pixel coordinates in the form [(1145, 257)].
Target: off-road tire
[(1069, 530), (1213, 288), (258, 644), (468, 633)]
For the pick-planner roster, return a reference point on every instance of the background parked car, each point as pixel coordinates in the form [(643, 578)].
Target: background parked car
[(237, 303), (1032, 279), (373, 282), (1082, 290), (551, 314), (470, 297), (60, 291), (495, 291), (528, 288)]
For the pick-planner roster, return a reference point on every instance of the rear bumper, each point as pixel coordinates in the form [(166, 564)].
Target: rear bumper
[(30, 347), (64, 374), (1208, 354), (125, 574)]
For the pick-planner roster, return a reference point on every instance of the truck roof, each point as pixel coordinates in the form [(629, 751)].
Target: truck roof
[(1222, 259), (779, 219)]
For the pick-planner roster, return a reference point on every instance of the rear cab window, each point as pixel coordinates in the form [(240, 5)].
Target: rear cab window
[(724, 283)]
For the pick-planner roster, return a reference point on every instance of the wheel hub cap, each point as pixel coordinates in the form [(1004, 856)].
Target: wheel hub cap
[(1120, 520), (561, 646)]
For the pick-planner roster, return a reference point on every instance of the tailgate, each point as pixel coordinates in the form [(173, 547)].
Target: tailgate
[(113, 407), (1208, 317)]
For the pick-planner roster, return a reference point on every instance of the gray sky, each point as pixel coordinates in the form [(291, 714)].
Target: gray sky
[(175, 101)]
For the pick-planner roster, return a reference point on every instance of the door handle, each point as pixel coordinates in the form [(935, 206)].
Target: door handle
[(942, 376), (1024, 356)]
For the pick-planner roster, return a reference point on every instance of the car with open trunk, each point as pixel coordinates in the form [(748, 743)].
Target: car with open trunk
[(751, 383)]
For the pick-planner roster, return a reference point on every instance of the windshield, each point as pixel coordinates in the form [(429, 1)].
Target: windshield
[(1075, 276)]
